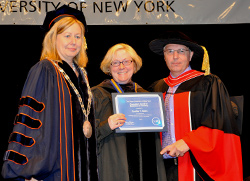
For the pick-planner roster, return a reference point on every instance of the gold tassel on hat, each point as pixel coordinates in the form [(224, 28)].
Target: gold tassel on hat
[(205, 63), (85, 43)]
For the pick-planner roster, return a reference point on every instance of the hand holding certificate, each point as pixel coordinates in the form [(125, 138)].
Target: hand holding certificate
[(144, 112), (116, 120)]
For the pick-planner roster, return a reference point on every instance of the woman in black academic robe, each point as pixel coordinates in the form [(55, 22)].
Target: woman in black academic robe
[(123, 156), (54, 133)]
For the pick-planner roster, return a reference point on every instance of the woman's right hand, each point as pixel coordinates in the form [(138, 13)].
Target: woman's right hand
[(116, 120)]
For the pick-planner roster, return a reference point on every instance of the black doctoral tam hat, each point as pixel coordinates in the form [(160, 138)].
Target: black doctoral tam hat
[(175, 37), (64, 11)]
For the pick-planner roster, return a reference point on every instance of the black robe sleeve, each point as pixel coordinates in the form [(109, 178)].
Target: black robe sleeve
[(102, 102)]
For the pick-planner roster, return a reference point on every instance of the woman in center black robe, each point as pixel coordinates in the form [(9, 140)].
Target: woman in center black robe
[(123, 156)]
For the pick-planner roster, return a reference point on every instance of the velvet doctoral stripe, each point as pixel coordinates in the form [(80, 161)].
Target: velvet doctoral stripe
[(182, 127), (84, 149), (21, 139), (32, 103), (15, 157), (27, 121)]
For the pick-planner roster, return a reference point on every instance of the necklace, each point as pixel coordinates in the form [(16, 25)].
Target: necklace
[(87, 129)]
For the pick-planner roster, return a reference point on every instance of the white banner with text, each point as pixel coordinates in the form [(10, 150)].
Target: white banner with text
[(131, 12)]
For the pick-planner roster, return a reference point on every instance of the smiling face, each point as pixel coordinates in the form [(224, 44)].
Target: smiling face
[(122, 74), (69, 42), (177, 62)]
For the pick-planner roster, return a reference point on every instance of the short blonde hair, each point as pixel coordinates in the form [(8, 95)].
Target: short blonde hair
[(49, 50), (106, 62)]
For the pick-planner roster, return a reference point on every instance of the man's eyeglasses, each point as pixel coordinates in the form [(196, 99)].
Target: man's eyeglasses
[(181, 51), (117, 63)]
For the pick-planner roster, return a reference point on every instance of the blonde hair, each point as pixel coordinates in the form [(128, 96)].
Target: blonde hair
[(49, 50), (106, 62)]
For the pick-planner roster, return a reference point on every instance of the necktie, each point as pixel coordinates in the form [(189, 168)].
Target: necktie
[(166, 136)]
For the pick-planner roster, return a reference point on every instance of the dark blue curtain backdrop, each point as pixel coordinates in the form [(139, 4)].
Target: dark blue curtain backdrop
[(227, 45)]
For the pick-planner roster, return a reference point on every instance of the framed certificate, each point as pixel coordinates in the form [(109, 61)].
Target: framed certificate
[(144, 111)]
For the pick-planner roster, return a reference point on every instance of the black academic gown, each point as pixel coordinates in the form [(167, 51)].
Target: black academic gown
[(47, 142), (214, 141), (121, 156)]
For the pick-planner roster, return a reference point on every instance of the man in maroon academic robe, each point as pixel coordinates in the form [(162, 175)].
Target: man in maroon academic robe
[(202, 141)]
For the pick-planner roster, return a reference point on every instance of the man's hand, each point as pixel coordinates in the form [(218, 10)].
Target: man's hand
[(179, 148)]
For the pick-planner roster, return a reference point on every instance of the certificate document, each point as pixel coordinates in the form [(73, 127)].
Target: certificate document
[(144, 111)]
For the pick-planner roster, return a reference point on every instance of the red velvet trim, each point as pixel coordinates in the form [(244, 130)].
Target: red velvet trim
[(182, 127), (218, 153), (171, 82)]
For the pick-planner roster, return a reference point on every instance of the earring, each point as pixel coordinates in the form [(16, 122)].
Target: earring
[(109, 73)]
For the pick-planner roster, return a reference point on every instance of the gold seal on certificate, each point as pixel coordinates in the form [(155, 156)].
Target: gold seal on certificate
[(144, 111)]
